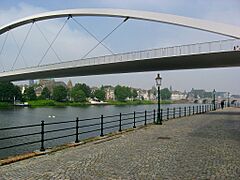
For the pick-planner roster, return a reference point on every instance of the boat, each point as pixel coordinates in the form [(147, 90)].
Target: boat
[(25, 104)]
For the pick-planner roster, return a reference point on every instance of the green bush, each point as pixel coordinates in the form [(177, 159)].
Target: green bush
[(5, 105), (42, 103)]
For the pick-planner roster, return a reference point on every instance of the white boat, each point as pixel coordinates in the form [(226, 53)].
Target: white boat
[(97, 102), (25, 104)]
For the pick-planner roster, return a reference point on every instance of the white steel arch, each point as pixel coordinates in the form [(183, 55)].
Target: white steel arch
[(218, 28)]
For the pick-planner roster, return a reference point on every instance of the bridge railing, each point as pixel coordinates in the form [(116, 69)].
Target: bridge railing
[(198, 48), (183, 50), (20, 139)]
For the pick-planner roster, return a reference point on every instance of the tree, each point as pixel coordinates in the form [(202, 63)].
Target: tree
[(85, 88), (45, 93), (59, 93), (165, 94), (100, 94), (78, 95), (30, 94), (8, 91), (134, 93), (122, 93), (17, 93)]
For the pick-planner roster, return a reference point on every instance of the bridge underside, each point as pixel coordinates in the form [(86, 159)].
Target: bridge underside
[(210, 60)]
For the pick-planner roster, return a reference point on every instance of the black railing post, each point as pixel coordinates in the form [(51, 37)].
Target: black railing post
[(161, 115), (101, 125), (120, 122), (203, 110), (193, 110), (167, 113), (77, 127), (174, 113), (42, 136), (185, 111), (145, 120), (189, 110), (154, 116), (200, 110), (134, 119), (180, 113)]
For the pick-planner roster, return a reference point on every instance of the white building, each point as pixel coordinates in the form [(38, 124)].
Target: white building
[(142, 94), (109, 93), (177, 95)]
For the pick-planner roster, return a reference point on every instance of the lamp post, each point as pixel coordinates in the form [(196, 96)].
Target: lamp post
[(228, 99), (158, 84), (214, 99)]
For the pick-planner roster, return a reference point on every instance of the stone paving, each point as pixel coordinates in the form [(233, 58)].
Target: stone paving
[(203, 146)]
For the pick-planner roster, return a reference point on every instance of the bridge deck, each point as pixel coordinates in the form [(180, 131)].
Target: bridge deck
[(193, 56), (202, 146)]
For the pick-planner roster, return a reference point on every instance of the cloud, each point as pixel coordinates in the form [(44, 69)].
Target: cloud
[(134, 35), (71, 44)]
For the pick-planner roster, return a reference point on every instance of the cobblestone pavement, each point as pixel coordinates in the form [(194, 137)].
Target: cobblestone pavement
[(198, 147)]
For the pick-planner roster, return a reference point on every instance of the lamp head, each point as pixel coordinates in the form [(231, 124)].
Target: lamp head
[(158, 80)]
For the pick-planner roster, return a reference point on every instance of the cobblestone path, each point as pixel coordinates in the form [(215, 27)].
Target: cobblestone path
[(198, 147)]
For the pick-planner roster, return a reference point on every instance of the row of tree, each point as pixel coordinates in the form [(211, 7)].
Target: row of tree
[(79, 93)]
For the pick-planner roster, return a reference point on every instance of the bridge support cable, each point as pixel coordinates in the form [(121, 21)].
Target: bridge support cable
[(48, 42), (105, 37), (3, 45), (14, 39), (83, 27), (55, 38), (20, 50)]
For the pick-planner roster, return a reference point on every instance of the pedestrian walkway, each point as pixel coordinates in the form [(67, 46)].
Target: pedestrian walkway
[(203, 146)]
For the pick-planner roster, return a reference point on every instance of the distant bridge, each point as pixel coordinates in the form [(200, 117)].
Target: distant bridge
[(232, 100), (201, 55)]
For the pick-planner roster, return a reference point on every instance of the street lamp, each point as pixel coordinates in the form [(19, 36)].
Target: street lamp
[(228, 99), (158, 80), (214, 99)]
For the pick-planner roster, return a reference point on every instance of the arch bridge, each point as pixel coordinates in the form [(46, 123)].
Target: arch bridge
[(201, 55)]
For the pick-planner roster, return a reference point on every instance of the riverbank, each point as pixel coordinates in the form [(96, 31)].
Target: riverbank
[(52, 103), (5, 105)]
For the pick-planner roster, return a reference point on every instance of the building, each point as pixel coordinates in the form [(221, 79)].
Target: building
[(69, 85), (143, 94), (51, 83), (177, 95), (109, 90), (38, 90)]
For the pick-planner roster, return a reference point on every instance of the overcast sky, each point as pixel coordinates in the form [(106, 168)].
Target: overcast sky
[(74, 42)]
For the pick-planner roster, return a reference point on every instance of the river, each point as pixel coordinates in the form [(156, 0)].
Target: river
[(25, 116)]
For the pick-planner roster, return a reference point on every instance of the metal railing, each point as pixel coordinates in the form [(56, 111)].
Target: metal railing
[(198, 48), (190, 49), (99, 126)]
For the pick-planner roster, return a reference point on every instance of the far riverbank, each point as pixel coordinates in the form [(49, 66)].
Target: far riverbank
[(52, 103)]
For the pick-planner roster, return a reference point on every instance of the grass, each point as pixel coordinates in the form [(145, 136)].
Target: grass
[(42, 103), (52, 103), (5, 105)]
